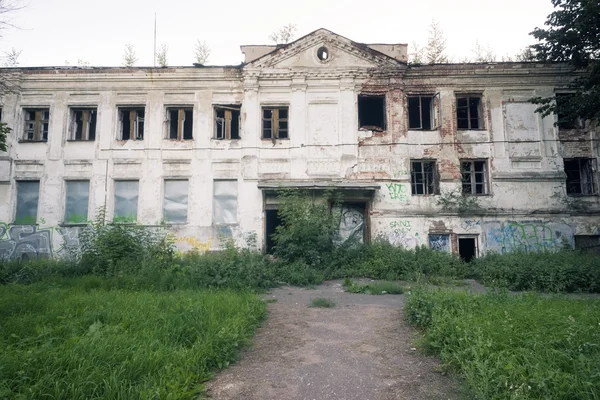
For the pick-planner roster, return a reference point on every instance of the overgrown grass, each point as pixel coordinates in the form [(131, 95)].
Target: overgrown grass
[(384, 287), (322, 302), (75, 343), (513, 347)]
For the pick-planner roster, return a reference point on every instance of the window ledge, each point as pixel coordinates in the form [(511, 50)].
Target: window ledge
[(178, 140), (471, 130), (270, 140), (81, 140), (174, 223), (582, 194), (73, 224), (231, 140), (33, 141)]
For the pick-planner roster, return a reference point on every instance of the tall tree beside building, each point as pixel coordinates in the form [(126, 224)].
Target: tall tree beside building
[(572, 35), (161, 56), (201, 52), (129, 56), (435, 51), (284, 35)]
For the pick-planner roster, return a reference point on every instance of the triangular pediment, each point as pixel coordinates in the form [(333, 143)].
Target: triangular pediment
[(307, 52)]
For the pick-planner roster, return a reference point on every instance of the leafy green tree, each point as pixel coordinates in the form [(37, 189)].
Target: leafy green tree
[(572, 35), (435, 51)]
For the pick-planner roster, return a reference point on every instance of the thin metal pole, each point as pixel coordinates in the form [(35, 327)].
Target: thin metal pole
[(154, 40)]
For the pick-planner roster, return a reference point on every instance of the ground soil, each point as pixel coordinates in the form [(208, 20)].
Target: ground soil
[(360, 349)]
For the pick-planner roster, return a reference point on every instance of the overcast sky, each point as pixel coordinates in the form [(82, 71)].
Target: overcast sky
[(53, 32)]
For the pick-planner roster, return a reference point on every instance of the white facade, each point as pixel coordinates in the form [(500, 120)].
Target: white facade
[(321, 86)]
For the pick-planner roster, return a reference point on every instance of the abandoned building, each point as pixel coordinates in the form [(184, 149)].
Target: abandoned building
[(450, 156)]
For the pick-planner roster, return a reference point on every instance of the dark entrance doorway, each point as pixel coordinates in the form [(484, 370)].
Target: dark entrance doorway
[(467, 248), (272, 221)]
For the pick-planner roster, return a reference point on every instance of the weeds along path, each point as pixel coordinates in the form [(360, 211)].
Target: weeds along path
[(359, 349)]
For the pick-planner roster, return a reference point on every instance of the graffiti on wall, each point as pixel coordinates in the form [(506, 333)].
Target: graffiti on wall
[(19, 242), (439, 242), (470, 224), (507, 236), (401, 234), (398, 191), (352, 224)]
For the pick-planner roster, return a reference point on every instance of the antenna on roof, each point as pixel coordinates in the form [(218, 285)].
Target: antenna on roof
[(154, 40)]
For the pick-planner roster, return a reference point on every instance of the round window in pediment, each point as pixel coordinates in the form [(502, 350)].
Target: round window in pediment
[(323, 54)]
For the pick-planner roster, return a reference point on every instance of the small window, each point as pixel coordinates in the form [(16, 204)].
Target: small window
[(567, 116), (180, 122), (28, 193), (474, 177), (126, 201), (469, 112), (581, 176), (275, 123), (37, 121), (227, 122), (423, 112), (83, 124), (77, 199), (175, 207), (424, 178), (371, 113), (225, 201), (131, 120)]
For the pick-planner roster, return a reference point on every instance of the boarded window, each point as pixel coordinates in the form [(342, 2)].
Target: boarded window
[(131, 121), (439, 242), (83, 124), (424, 178), (275, 123), (27, 202), (126, 201), (225, 202), (474, 176), (77, 200), (37, 121), (469, 112), (176, 201), (581, 176), (180, 123), (423, 112), (227, 122), (371, 112)]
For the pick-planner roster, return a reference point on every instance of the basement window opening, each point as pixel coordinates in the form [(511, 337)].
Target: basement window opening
[(424, 178), (227, 122), (180, 122), (83, 124), (581, 176), (131, 120), (469, 112), (37, 121), (275, 123), (371, 113)]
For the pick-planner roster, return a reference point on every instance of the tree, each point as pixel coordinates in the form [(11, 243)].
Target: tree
[(435, 51), (417, 54), (201, 52), (161, 56), (284, 35), (572, 36), (11, 58), (483, 53), (129, 57), (7, 9)]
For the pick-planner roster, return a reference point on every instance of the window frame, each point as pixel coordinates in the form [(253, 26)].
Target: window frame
[(38, 133), (426, 184), (65, 220), (125, 220), (91, 122), (275, 121), (225, 132), (135, 127), (187, 204), (434, 111), (214, 202), (480, 111), (593, 166), (473, 176), (362, 126), (181, 122), (18, 203)]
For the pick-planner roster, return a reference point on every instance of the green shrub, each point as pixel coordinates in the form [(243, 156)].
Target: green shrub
[(385, 287), (322, 302), (513, 347)]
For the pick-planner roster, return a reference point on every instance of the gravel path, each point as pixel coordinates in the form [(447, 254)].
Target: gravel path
[(360, 349)]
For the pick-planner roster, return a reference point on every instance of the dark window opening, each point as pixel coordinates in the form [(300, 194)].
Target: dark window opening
[(273, 220), (424, 178), (566, 114), (83, 124), (420, 112), (275, 122), (474, 177), (227, 122), (36, 124), (581, 176), (132, 123), (588, 243), (323, 53), (469, 113), (180, 123), (371, 113), (467, 248)]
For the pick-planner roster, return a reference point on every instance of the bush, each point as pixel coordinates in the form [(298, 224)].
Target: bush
[(509, 347)]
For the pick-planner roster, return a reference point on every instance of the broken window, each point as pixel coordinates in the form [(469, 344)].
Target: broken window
[(175, 205), (131, 120), (36, 124), (469, 112), (77, 199), (423, 177), (28, 193), (581, 174), (83, 124), (126, 201), (275, 123), (474, 176), (567, 116), (225, 201), (180, 123), (423, 112), (227, 122), (371, 112)]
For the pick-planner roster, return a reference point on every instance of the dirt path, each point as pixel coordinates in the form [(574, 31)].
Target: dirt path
[(360, 349)]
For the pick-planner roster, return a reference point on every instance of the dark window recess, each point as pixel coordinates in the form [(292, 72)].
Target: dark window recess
[(588, 243), (371, 113), (36, 124), (273, 220), (132, 123), (424, 178), (567, 113), (467, 248), (83, 124), (581, 175), (180, 123), (420, 112), (474, 177), (275, 123), (227, 122), (469, 113)]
